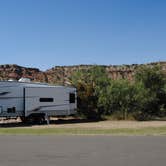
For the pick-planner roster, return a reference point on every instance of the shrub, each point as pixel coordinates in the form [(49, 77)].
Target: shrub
[(142, 99), (154, 82), (124, 98), (91, 85)]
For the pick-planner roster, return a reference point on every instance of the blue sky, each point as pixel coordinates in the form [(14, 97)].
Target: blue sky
[(46, 33)]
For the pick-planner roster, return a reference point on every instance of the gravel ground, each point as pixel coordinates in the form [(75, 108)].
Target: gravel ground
[(109, 124)]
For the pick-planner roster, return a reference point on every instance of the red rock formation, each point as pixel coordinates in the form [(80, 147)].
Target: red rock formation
[(61, 74)]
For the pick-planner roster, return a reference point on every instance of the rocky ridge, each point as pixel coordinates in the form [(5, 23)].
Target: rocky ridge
[(61, 74)]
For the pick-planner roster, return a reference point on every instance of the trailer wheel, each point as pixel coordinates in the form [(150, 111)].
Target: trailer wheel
[(36, 118), (23, 119)]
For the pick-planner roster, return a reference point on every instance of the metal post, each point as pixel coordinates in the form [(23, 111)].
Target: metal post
[(47, 118)]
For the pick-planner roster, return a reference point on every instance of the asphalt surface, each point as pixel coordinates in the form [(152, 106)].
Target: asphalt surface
[(82, 151)]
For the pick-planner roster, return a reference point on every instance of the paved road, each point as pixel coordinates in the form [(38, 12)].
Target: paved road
[(82, 151)]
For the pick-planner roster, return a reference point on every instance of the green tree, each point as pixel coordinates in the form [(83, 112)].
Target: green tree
[(123, 98), (143, 98), (153, 80), (91, 84)]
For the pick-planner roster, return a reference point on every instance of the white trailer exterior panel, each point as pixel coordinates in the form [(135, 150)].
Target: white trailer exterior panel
[(50, 100), (10, 97), (23, 99)]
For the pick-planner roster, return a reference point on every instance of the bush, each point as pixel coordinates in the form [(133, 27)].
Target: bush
[(124, 98), (142, 99), (91, 84), (154, 82)]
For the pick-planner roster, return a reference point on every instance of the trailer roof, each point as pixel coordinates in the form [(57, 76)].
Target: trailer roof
[(28, 84)]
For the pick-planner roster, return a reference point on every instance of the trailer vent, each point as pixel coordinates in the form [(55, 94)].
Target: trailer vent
[(24, 80), (46, 99)]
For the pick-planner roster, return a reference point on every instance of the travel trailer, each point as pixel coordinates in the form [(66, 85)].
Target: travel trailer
[(37, 101)]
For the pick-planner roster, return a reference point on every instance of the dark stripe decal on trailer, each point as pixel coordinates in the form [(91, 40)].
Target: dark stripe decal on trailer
[(4, 93), (38, 108)]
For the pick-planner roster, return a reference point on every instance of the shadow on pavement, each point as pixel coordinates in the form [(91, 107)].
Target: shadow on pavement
[(52, 122)]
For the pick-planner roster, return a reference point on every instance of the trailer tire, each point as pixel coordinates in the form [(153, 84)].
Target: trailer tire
[(24, 119)]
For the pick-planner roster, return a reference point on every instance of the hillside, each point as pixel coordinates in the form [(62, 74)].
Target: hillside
[(61, 74)]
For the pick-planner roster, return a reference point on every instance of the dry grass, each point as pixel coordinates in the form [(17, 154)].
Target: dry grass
[(78, 123), (78, 126), (105, 124)]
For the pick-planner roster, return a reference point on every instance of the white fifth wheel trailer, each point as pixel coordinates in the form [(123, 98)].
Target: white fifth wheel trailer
[(27, 99)]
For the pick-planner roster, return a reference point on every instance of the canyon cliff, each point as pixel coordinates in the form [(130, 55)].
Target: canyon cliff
[(61, 74)]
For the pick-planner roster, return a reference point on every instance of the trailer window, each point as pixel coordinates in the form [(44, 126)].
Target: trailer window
[(46, 99), (72, 98), (11, 110)]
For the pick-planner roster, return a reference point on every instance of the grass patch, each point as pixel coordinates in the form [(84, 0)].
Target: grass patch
[(83, 131)]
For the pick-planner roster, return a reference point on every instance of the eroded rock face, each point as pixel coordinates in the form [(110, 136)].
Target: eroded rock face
[(16, 72), (61, 74)]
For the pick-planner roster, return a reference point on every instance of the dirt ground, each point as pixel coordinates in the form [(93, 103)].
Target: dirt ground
[(110, 124), (77, 123)]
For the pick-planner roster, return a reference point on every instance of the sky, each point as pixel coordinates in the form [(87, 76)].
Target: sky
[(47, 33)]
